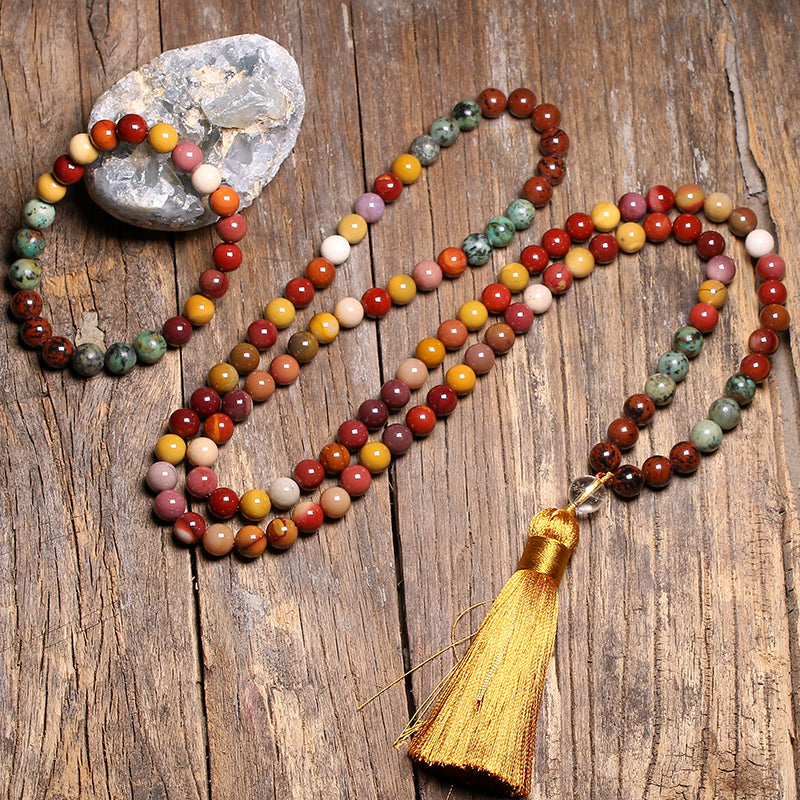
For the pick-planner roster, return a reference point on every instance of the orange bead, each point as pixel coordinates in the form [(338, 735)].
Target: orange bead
[(198, 310), (104, 135), (461, 379), (250, 541), (430, 352), (320, 272), (284, 370), (224, 201)]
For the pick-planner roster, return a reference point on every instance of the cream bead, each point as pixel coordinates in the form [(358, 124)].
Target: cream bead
[(283, 492), (580, 262), (538, 298), (412, 372), (759, 243), (349, 312), (335, 249), (206, 178), (202, 452), (718, 207), (81, 150)]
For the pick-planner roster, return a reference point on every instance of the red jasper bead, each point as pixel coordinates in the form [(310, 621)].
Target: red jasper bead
[(521, 103), (213, 284), (772, 291), (57, 351), (537, 190), (231, 229), (552, 169), (205, 401), (556, 242), (557, 278), (770, 266), (709, 244), (132, 129), (320, 272), (262, 334), (579, 226), (309, 474), (353, 434), (218, 427), (604, 248), (657, 472), (334, 457), (623, 432), (554, 142), (640, 408), (223, 502), (605, 457), (388, 187), (442, 399), (775, 317), (355, 480), (534, 258), (237, 404), (26, 304), (660, 198), (763, 341), (686, 228), (376, 302), (227, 257), (67, 171), (657, 227), (453, 261), (496, 297), (755, 366), (299, 292), (545, 116), (177, 331), (184, 422), (492, 103), (35, 332), (104, 135), (518, 317), (421, 420), (685, 458), (704, 317)]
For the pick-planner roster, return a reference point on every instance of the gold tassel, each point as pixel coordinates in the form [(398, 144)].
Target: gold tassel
[(481, 727)]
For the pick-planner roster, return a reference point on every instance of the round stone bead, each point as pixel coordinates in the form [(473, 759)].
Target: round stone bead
[(452, 261), (557, 278), (704, 317), (282, 533), (219, 428), (184, 422), (500, 231), (538, 298), (688, 340), (721, 268), (426, 149), (161, 476), (521, 103), (759, 243), (395, 394), (421, 419), (205, 401), (538, 191), (427, 275), (628, 481), (283, 492), (398, 438), (370, 206), (712, 292), (605, 217), (557, 242), (303, 346), (28, 243), (353, 434), (66, 171), (414, 371), (545, 116), (198, 310), (518, 317), (88, 359), (467, 114), (772, 291), (473, 314), (308, 516), (169, 505), (640, 408), (225, 202), (407, 167), (661, 199), (335, 249), (657, 227), (280, 312), (244, 358), (452, 333), (376, 302), (689, 198), (718, 207), (237, 404), (186, 156), (334, 502), (353, 227), (461, 379), (250, 541), (202, 452), (444, 131), (605, 457), (771, 266), (349, 312), (223, 377), (26, 304), (756, 367), (35, 331), (442, 399), (218, 540), (227, 257), (104, 134), (81, 150), (57, 351), (132, 128), (150, 346), (388, 187), (496, 297), (177, 331), (401, 289), (478, 249), (49, 189), (120, 358), (741, 221), (580, 262), (515, 277), (552, 169), (554, 142), (375, 456), (706, 436), (38, 215), (686, 228), (355, 480), (214, 283), (775, 317), (521, 212), (480, 357), (685, 458), (657, 472), (500, 337), (709, 244), (201, 481), (254, 504), (309, 473), (284, 369), (623, 432), (660, 388), (675, 364), (764, 341), (604, 248), (206, 178), (170, 448), (630, 237), (189, 528), (373, 413), (260, 385), (632, 206), (725, 411), (492, 103), (24, 273)]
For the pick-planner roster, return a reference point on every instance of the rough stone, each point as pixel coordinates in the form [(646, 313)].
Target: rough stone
[(239, 99)]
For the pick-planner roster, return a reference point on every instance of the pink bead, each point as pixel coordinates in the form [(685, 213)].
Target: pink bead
[(161, 475), (770, 266), (232, 228), (355, 480), (427, 275), (169, 505), (370, 206), (186, 156), (201, 481), (632, 206), (720, 268)]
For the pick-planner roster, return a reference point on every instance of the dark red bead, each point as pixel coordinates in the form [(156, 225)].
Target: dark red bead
[(605, 457), (755, 366), (184, 422), (353, 434), (579, 226), (492, 103), (604, 248), (657, 472), (398, 438), (770, 266), (191, 527), (537, 190), (213, 284), (237, 404), (521, 103), (300, 292), (57, 351), (218, 427), (545, 116), (205, 401), (453, 261), (388, 187), (262, 334), (685, 458), (496, 297), (421, 420), (709, 244), (623, 432), (534, 258), (35, 332), (686, 228), (557, 278), (628, 481), (376, 302), (556, 242), (660, 198), (442, 399), (552, 169), (518, 317), (67, 171), (772, 291), (309, 474), (657, 227), (640, 408), (177, 331), (132, 129), (554, 142), (763, 341), (395, 394), (223, 503), (227, 256), (26, 304), (373, 413), (704, 317)]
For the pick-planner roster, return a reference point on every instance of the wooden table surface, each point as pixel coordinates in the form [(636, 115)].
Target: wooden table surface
[(133, 667)]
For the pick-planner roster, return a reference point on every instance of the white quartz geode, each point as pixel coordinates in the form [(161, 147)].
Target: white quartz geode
[(239, 99)]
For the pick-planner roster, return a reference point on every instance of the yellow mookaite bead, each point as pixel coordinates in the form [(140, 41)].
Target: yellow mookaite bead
[(254, 504), (280, 312), (630, 237), (353, 227), (718, 206), (580, 261), (170, 448), (514, 277), (49, 189), (162, 137), (460, 378), (198, 310), (223, 378), (81, 150), (715, 293), (402, 289), (407, 168), (430, 352), (473, 314), (324, 326), (605, 217), (375, 457)]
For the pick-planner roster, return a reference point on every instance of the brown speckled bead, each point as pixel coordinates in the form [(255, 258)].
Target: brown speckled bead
[(623, 432), (554, 142), (500, 337), (250, 541), (57, 351), (521, 103), (552, 168), (685, 458), (537, 190), (26, 304), (628, 481), (545, 116), (741, 221), (492, 103), (657, 472), (35, 332), (605, 457), (640, 408), (282, 533)]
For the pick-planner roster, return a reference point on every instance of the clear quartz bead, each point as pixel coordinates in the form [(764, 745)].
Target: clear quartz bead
[(590, 504)]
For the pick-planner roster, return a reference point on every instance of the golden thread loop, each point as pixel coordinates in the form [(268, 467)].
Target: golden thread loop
[(545, 555)]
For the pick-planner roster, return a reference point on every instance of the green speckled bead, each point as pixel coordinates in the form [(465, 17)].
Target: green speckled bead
[(467, 114), (740, 388), (660, 388), (500, 231), (38, 215), (521, 212), (425, 149), (25, 273), (150, 346), (688, 340), (478, 249), (675, 364), (28, 243), (120, 358), (706, 436), (87, 359), (444, 131), (725, 412)]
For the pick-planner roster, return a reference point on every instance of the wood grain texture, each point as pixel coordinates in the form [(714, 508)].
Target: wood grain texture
[(133, 668)]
